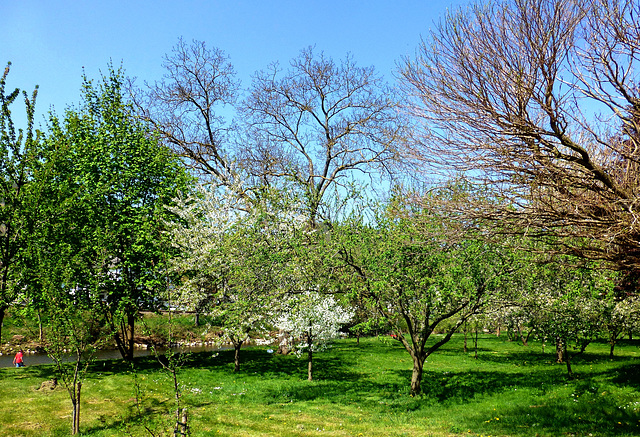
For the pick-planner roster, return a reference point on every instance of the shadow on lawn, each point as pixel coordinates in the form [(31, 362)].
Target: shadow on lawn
[(336, 381)]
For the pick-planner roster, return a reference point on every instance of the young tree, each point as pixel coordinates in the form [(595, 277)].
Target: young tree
[(122, 178), (314, 319), (538, 100), (19, 154)]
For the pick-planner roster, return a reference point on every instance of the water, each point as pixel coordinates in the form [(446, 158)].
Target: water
[(41, 358)]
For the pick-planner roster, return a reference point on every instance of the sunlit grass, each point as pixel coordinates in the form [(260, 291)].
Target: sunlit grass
[(510, 390)]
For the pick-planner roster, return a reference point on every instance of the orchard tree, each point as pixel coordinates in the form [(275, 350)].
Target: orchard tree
[(121, 178), (620, 317), (313, 320), (19, 154), (416, 281), (569, 306), (537, 100), (235, 261)]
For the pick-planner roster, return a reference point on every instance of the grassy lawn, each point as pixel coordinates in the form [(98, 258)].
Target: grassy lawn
[(510, 390)]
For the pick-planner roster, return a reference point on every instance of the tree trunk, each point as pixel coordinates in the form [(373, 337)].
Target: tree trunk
[(567, 358), (2, 313), (465, 337), (416, 376), (475, 345), (75, 415), (560, 350), (309, 355), (612, 343), (40, 328), (131, 321), (197, 319), (236, 357)]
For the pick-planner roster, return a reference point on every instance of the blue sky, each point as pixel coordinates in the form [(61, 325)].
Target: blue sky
[(49, 42)]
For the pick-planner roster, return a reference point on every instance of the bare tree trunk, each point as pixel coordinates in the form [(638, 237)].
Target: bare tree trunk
[(568, 360), (236, 357), (465, 337), (560, 350), (612, 343), (2, 313), (416, 376), (75, 401), (475, 345)]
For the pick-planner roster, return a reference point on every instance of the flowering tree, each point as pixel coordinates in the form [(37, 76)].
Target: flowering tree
[(622, 316), (232, 262), (315, 320)]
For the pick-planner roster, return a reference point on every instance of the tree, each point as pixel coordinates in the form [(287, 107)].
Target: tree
[(64, 287), (18, 156), (416, 281), (569, 305), (121, 178), (314, 319), (184, 109), (234, 260), (319, 124), (537, 100)]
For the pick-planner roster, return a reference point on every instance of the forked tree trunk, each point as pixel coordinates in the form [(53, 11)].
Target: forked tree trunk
[(75, 401)]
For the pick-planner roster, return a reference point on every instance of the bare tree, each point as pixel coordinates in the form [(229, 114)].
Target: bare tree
[(318, 123), (186, 108), (537, 101)]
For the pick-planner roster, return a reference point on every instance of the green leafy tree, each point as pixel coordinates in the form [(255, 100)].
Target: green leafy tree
[(419, 282), (121, 178), (19, 151)]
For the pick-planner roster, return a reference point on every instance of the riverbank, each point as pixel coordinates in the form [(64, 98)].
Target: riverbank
[(161, 330)]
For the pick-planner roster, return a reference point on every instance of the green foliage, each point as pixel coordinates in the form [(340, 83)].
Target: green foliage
[(19, 154), (111, 179), (406, 273)]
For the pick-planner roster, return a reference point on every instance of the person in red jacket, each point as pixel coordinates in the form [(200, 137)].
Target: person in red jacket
[(17, 360)]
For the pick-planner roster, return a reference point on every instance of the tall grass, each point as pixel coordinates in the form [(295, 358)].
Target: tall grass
[(510, 390)]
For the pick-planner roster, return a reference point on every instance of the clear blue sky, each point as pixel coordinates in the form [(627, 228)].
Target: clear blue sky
[(49, 42)]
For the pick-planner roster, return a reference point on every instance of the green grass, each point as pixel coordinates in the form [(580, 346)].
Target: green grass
[(511, 390)]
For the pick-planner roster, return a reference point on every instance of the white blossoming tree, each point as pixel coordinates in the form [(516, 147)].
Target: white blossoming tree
[(232, 259), (314, 319)]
